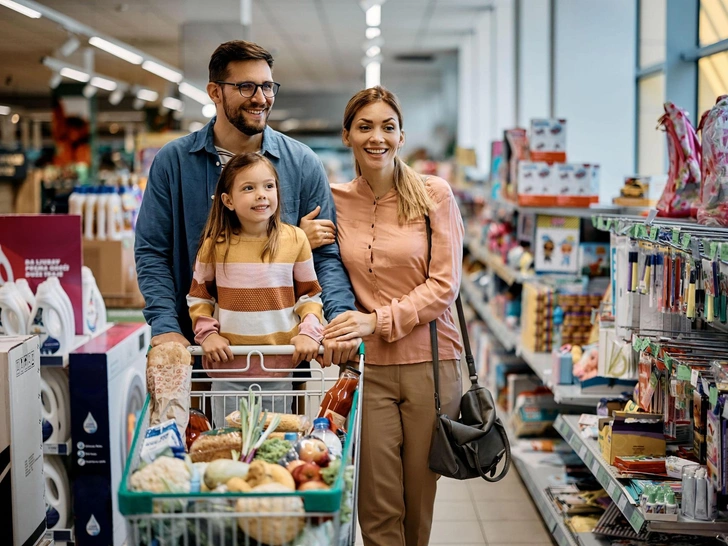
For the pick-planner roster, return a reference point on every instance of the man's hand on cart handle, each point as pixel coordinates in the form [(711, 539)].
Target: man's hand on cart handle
[(340, 352), (169, 336)]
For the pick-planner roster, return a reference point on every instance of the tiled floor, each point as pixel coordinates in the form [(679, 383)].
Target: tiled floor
[(477, 513)]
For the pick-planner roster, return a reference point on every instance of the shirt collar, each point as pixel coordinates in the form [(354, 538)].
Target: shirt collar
[(205, 139)]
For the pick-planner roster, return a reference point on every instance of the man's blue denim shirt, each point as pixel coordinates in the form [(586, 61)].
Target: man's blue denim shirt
[(176, 203)]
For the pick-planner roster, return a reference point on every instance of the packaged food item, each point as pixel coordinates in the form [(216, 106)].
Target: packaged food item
[(336, 404), (169, 380), (198, 424), (160, 438), (216, 444), (713, 210), (288, 422)]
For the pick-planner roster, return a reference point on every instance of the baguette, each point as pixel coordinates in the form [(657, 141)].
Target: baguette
[(219, 445), (289, 422)]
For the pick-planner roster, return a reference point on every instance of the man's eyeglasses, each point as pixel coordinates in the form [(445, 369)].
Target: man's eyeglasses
[(249, 89)]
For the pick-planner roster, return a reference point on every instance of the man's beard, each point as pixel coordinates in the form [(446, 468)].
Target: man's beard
[(237, 119)]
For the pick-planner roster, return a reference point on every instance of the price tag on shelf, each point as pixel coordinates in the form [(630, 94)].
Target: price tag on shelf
[(637, 343), (683, 372), (582, 453), (713, 396), (724, 252), (603, 476), (712, 247), (675, 236), (610, 488), (594, 220), (654, 233), (622, 503), (595, 467), (694, 377), (636, 520), (685, 240)]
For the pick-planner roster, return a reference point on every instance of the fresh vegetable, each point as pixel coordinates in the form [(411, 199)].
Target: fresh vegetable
[(273, 450), (313, 450), (262, 473), (328, 474), (252, 424), (260, 526), (316, 485), (238, 485), (307, 472), (220, 471), (164, 475)]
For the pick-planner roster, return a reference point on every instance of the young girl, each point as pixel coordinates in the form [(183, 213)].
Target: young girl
[(260, 273)]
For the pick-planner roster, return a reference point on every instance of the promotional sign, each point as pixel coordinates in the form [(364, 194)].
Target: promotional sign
[(13, 165), (37, 246)]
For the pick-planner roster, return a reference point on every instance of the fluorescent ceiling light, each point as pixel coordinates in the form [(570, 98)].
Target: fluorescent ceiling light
[(162, 71), (103, 83), (173, 104), (74, 74), (89, 91), (116, 96), (33, 14), (373, 74), (373, 32), (4, 110), (55, 80), (147, 95), (374, 16), (194, 93), (373, 51), (69, 47), (209, 110), (114, 49)]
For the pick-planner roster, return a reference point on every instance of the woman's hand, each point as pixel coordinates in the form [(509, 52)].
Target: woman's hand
[(318, 232), (217, 348), (351, 325), (306, 348)]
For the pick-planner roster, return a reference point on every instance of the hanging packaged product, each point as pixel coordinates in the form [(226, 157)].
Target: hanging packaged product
[(680, 198), (713, 209), (336, 403)]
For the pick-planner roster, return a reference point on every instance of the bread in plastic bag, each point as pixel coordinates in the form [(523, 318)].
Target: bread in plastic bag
[(169, 381)]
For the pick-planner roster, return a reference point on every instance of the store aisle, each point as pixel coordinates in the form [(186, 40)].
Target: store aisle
[(477, 513)]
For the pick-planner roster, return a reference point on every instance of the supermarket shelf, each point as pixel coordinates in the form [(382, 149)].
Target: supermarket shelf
[(507, 337), (509, 274), (61, 361), (588, 451), (57, 449), (536, 476), (580, 212), (64, 536)]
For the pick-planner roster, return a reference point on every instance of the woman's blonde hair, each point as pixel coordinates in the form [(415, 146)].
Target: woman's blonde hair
[(223, 223), (413, 201)]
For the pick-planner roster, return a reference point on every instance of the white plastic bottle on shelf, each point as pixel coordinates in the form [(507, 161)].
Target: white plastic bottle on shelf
[(128, 208), (76, 201), (6, 272), (101, 202), (321, 430), (114, 215), (89, 214), (94, 308), (26, 292), (49, 321), (14, 311)]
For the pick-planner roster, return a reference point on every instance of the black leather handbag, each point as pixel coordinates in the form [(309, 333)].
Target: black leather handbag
[(473, 445)]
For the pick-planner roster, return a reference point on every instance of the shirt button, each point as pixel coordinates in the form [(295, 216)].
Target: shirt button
[(217, 164), (212, 197)]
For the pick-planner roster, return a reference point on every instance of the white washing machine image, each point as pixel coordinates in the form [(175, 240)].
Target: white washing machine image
[(108, 388)]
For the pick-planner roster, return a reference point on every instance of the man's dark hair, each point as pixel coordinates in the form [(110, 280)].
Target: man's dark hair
[(235, 50)]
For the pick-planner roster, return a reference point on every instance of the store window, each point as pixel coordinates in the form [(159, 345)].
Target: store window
[(653, 23), (713, 23), (651, 141), (712, 81)]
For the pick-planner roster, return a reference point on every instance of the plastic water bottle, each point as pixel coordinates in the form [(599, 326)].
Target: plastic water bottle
[(114, 215), (322, 431), (101, 200), (89, 214)]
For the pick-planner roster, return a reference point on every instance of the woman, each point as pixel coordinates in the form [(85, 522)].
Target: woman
[(401, 285)]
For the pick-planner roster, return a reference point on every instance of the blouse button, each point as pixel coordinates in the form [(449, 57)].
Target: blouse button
[(370, 246), (372, 225), (370, 271)]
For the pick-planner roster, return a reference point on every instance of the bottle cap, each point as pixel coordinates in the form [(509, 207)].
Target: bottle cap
[(290, 436), (321, 422), (661, 496), (353, 369), (653, 497), (671, 497)]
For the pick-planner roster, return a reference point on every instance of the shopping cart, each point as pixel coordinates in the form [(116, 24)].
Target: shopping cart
[(308, 518)]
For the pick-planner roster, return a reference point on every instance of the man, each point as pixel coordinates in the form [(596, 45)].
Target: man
[(182, 181)]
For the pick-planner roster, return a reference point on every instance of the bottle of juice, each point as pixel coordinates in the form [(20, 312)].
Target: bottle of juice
[(336, 404)]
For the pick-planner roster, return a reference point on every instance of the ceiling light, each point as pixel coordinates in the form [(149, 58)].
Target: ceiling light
[(114, 49), (162, 71), (74, 74), (69, 47), (89, 91), (103, 83), (4, 110), (209, 110), (194, 93), (173, 104), (374, 16), (373, 51), (55, 80), (15, 119), (147, 95), (33, 14), (373, 74), (138, 104), (116, 96), (373, 32), (114, 128)]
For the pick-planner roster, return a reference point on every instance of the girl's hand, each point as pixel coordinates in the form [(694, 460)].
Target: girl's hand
[(306, 348), (217, 348), (351, 325)]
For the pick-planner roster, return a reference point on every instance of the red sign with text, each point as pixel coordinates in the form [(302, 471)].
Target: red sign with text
[(37, 246)]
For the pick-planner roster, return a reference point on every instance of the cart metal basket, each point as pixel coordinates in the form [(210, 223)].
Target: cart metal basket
[(308, 518)]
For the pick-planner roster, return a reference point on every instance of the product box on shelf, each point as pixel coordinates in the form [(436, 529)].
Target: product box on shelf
[(616, 356), (534, 412), (22, 487), (534, 180), (563, 368), (112, 263), (557, 243), (594, 259), (633, 435), (548, 140)]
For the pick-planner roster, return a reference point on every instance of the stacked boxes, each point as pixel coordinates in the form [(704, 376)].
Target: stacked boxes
[(577, 317)]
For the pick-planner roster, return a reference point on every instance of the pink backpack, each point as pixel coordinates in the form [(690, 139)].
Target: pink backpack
[(713, 209), (680, 198)]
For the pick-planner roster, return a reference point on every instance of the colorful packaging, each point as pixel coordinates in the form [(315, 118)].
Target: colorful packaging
[(680, 198), (713, 209)]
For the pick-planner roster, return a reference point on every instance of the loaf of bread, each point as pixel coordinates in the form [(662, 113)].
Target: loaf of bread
[(289, 422), (216, 444)]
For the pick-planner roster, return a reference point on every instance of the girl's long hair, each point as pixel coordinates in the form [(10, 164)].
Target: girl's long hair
[(413, 201), (223, 223)]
